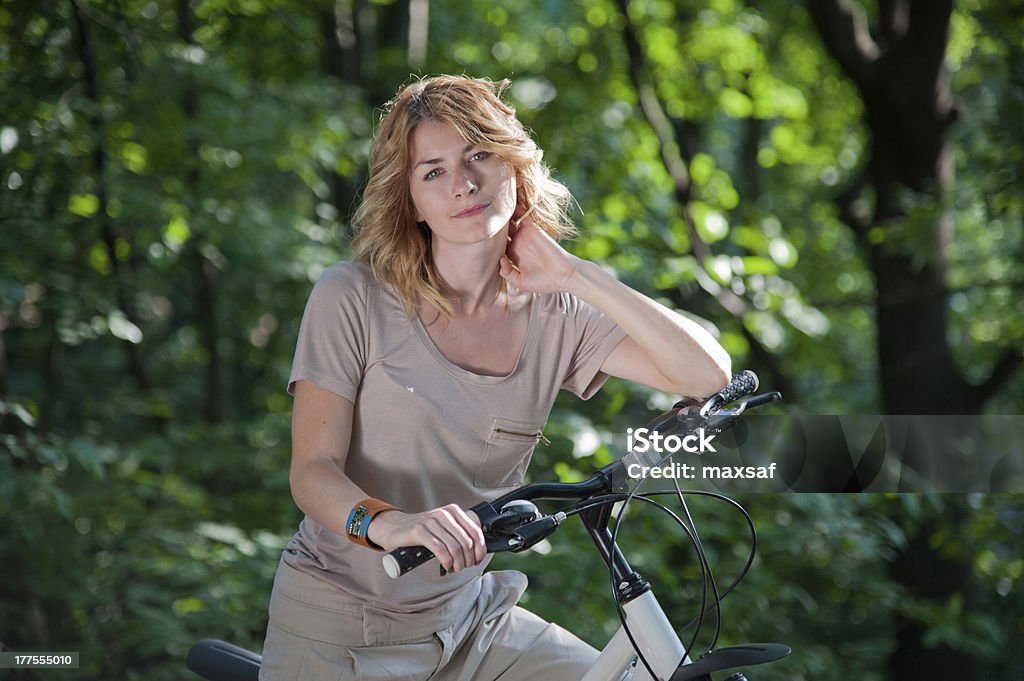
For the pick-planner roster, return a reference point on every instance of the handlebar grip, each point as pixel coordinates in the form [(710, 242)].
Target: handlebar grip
[(741, 384), (400, 561)]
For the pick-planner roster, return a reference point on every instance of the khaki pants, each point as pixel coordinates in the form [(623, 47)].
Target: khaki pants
[(480, 634)]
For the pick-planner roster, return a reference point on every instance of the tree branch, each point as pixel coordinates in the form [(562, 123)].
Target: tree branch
[(205, 271), (844, 30), (763, 357), (419, 27), (653, 111), (895, 19), (3, 358), (675, 164), (927, 40)]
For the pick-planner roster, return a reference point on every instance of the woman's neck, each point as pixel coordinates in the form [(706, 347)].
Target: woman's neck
[(470, 273)]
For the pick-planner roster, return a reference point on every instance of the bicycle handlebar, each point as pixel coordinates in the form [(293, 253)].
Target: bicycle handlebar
[(741, 384), (604, 481)]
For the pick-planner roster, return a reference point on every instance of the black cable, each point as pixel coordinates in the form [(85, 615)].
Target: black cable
[(619, 607), (703, 567), (698, 547), (707, 576), (607, 499), (702, 561), (710, 573)]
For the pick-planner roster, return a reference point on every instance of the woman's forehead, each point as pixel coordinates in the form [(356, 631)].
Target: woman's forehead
[(436, 139)]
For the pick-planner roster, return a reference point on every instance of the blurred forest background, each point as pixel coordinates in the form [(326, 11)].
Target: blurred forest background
[(835, 187)]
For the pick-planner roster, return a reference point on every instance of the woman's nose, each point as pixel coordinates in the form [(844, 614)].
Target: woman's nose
[(466, 183)]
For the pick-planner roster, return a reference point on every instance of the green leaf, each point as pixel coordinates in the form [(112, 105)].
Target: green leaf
[(735, 103), (84, 205)]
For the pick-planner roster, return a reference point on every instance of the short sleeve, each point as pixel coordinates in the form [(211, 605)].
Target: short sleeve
[(332, 345), (596, 337)]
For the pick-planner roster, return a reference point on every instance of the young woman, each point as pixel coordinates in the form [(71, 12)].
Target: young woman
[(423, 378)]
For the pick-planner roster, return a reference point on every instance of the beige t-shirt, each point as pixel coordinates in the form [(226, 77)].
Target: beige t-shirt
[(427, 432)]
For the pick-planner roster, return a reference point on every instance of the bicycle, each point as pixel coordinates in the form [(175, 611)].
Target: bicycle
[(645, 647)]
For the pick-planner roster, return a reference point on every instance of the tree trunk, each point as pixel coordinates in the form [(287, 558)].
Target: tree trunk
[(905, 87), (929, 576), (342, 60), (347, 44)]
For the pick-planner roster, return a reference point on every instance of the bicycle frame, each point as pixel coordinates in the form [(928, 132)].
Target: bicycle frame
[(650, 628), (654, 637), (645, 643)]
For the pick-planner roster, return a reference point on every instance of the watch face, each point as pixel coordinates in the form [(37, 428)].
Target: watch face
[(355, 523)]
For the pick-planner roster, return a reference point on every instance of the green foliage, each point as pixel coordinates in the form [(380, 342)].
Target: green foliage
[(129, 553), (986, 53), (171, 193)]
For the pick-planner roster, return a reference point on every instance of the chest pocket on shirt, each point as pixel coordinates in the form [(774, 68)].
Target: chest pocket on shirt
[(507, 452)]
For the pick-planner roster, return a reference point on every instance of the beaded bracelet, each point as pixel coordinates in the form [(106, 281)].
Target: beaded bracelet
[(359, 521)]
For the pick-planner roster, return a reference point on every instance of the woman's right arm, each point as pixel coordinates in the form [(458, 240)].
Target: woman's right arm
[(321, 434)]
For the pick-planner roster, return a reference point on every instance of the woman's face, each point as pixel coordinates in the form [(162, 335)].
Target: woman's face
[(463, 193)]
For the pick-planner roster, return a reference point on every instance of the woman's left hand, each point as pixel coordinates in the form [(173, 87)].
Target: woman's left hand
[(534, 262)]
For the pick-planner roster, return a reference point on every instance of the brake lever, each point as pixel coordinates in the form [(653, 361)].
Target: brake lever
[(525, 536), (723, 419), (522, 537), (757, 401)]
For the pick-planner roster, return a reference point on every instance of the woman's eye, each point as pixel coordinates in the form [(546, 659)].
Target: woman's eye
[(432, 174), (480, 155)]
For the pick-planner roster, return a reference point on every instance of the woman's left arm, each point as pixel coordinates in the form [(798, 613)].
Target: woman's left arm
[(663, 349)]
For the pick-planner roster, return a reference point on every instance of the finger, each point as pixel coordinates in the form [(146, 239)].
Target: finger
[(509, 272), (479, 540), (506, 265), (471, 524), (518, 222), (439, 548), (455, 537), (468, 532)]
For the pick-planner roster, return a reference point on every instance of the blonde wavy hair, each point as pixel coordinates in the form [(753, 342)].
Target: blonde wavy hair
[(388, 238)]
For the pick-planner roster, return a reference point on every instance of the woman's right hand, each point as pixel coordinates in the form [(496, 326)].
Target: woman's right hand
[(450, 533)]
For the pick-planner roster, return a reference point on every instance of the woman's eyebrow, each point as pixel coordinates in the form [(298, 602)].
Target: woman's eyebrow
[(435, 161)]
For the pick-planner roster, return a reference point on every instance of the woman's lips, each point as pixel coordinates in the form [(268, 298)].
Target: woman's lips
[(472, 210)]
